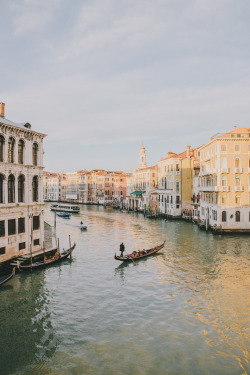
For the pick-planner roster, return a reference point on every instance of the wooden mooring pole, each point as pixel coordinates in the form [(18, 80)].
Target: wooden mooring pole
[(70, 247)]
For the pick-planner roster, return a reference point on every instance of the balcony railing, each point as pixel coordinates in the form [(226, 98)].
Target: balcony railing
[(239, 188), (238, 170)]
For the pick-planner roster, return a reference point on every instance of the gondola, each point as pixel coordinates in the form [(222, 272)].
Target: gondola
[(5, 278), (139, 254), (41, 263)]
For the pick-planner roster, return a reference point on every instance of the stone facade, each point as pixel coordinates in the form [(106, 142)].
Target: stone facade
[(21, 189)]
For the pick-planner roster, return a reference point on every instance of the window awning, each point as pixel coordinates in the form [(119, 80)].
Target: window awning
[(138, 192)]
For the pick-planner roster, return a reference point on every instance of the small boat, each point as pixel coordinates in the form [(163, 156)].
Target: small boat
[(139, 254), (83, 227), (63, 214), (5, 278), (41, 263)]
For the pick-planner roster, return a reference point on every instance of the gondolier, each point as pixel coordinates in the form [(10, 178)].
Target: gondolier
[(122, 248)]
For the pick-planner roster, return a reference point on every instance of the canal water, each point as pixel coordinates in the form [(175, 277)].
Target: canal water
[(183, 311)]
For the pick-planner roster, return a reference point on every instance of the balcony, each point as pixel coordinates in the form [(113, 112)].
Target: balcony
[(239, 188), (225, 170), (238, 170), (178, 172), (210, 188), (225, 188)]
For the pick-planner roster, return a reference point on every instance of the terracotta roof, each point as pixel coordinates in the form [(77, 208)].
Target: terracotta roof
[(245, 131)]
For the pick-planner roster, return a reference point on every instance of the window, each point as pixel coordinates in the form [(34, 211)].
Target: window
[(224, 216), (22, 245), (11, 189), (35, 153), (223, 162), (36, 222), (1, 188), (237, 180), (237, 148), (177, 186), (11, 145), (223, 148), (237, 216), (11, 227), (21, 188), (20, 151), (237, 199), (224, 181), (2, 228), (36, 242), (2, 141), (2, 250), (35, 189), (238, 135), (21, 225)]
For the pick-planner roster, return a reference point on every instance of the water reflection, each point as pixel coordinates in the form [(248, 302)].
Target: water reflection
[(26, 332), (185, 309)]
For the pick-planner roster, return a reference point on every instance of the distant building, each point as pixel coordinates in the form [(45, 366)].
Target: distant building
[(225, 181), (21, 188)]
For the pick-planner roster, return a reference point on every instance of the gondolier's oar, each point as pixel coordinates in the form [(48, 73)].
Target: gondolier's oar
[(130, 258)]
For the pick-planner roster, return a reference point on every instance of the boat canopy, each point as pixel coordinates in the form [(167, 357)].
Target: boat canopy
[(138, 192)]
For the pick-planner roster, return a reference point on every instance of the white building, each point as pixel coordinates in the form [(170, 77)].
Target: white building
[(21, 188)]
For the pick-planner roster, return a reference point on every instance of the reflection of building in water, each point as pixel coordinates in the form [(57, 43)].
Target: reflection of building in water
[(217, 294), (21, 188), (26, 332)]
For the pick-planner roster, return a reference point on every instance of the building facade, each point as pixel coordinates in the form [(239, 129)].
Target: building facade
[(225, 181), (21, 188)]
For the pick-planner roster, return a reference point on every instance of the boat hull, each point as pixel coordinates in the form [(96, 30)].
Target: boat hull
[(42, 264), (4, 279), (130, 258)]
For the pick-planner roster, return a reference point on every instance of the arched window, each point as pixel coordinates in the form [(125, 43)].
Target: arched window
[(35, 153), (21, 188), (224, 181), (237, 163), (11, 189), (20, 151), (237, 216), (237, 199), (2, 141), (224, 216), (11, 145), (35, 189), (1, 188), (237, 180)]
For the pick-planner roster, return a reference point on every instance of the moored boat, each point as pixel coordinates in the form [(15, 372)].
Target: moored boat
[(139, 254), (58, 257), (5, 278), (66, 215)]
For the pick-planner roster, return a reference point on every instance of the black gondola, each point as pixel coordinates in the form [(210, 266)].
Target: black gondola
[(5, 278), (139, 254), (40, 264)]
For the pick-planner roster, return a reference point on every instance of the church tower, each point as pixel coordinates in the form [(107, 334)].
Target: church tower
[(143, 163)]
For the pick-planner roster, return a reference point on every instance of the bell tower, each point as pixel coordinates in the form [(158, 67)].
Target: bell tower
[(143, 163)]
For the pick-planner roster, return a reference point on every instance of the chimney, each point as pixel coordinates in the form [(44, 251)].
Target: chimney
[(235, 127), (2, 107), (188, 150)]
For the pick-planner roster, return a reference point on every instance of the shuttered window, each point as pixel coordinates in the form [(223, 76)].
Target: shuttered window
[(36, 222), (11, 227), (21, 225), (2, 228)]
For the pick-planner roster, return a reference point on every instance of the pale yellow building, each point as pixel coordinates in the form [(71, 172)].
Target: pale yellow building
[(225, 181), (175, 182)]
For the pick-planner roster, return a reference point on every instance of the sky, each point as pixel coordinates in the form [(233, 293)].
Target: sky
[(100, 77)]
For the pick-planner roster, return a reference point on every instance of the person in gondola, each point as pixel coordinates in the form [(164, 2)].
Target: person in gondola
[(81, 223), (122, 248)]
